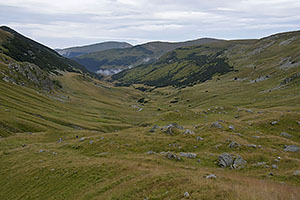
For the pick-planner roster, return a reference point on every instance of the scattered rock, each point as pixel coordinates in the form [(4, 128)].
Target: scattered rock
[(274, 123), (271, 174), (256, 137), (186, 195), (239, 161), (252, 145), (274, 166), (216, 125), (211, 176), (169, 131), (225, 160), (54, 153), (172, 156), (60, 140), (297, 173), (198, 160), (291, 148), (198, 138), (188, 132), (188, 155), (260, 163), (41, 151), (231, 127), (298, 122), (283, 134), (249, 111), (91, 142), (151, 152), (234, 144), (174, 125), (24, 145), (152, 130), (82, 139)]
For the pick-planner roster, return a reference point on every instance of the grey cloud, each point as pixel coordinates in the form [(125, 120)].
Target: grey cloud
[(74, 22)]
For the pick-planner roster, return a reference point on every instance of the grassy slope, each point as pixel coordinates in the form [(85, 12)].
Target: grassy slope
[(116, 165)]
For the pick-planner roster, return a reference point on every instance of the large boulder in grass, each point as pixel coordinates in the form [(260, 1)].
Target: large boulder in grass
[(225, 160), (291, 148)]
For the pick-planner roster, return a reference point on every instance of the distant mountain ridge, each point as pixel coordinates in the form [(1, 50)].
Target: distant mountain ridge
[(120, 59), (82, 50)]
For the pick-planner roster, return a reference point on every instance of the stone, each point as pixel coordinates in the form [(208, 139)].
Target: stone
[(172, 156), (225, 160), (82, 139), (174, 125), (152, 130), (188, 155), (239, 161), (260, 163), (216, 125), (91, 142), (256, 137), (249, 111), (284, 134), (54, 153), (231, 127), (150, 152), (252, 145), (274, 123), (291, 148), (41, 151), (198, 160), (198, 138), (298, 122), (169, 131), (60, 140), (24, 145), (233, 144), (297, 173), (188, 132), (186, 195), (211, 176), (274, 166)]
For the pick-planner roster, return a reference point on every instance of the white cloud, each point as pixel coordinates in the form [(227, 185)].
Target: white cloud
[(60, 23)]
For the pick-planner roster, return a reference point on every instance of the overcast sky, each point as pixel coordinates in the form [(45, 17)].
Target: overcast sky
[(64, 23)]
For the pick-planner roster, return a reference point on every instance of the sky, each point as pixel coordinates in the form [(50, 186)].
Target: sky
[(66, 23)]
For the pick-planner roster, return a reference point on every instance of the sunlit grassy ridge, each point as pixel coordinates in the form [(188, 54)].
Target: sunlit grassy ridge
[(105, 133)]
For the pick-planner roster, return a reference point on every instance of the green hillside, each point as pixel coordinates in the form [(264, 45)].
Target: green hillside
[(192, 65), (233, 136), (131, 57)]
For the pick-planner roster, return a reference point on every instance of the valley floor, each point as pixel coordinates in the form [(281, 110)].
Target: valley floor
[(93, 141)]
